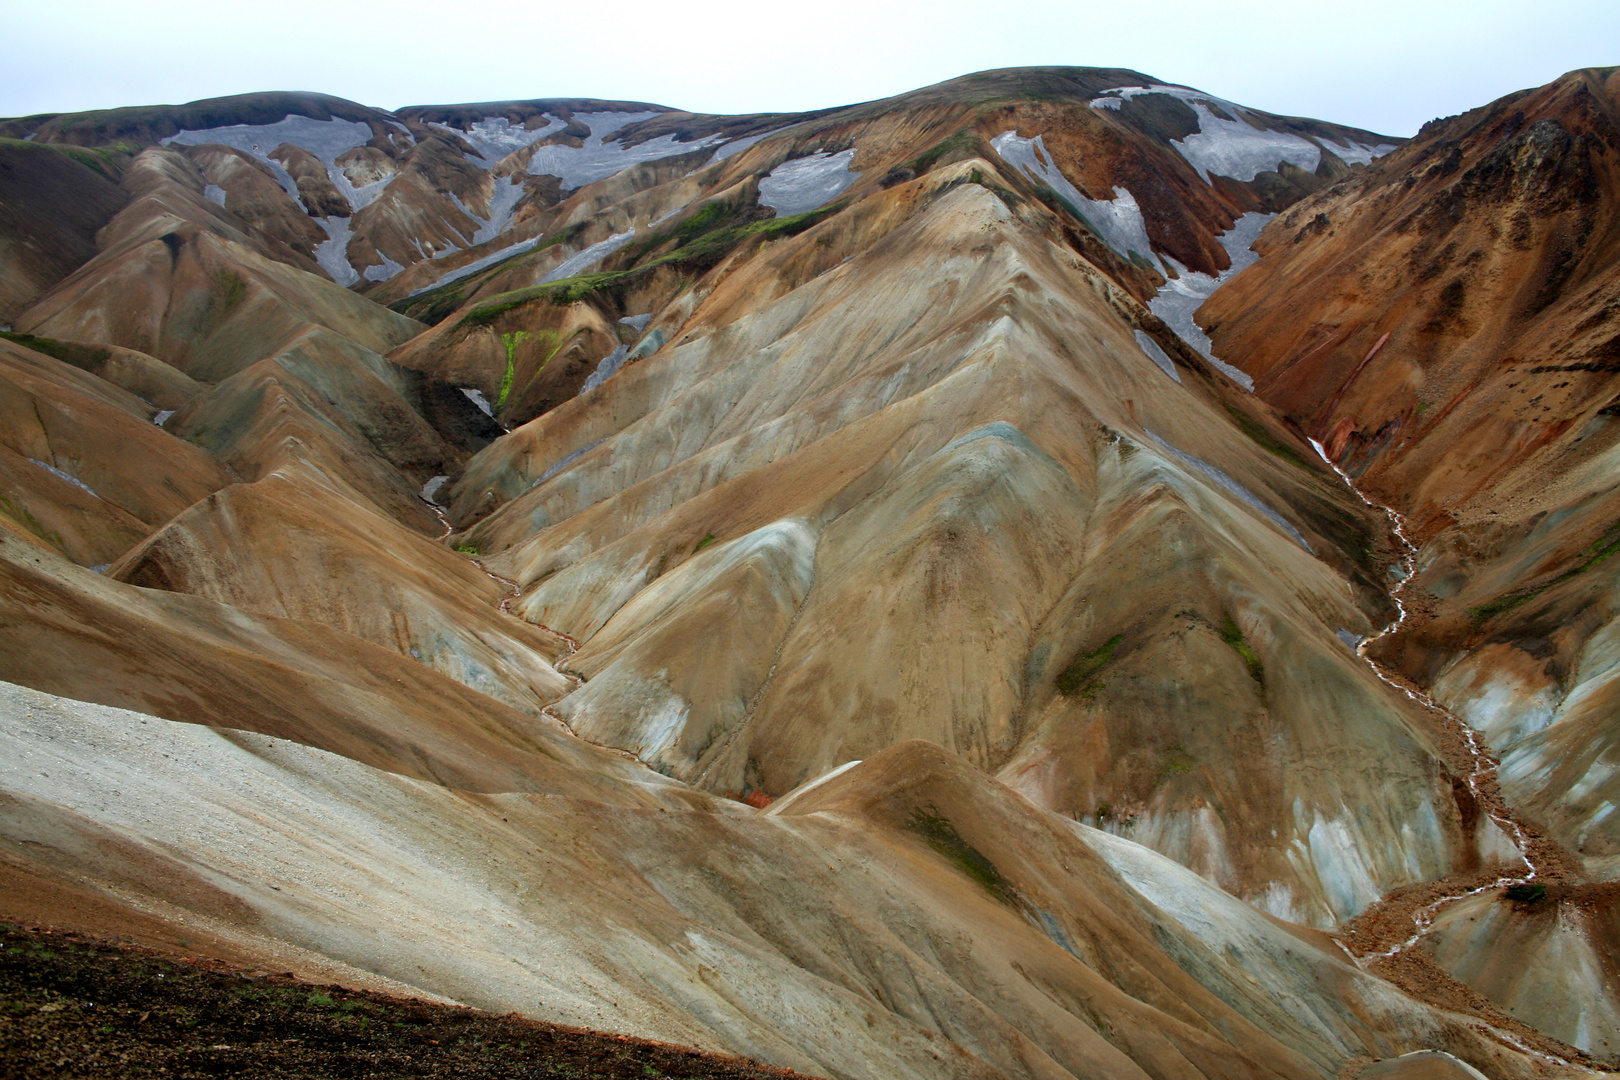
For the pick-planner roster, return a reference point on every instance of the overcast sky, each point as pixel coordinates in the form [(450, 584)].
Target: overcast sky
[(1386, 65)]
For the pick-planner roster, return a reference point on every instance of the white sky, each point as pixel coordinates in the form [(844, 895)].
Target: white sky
[(1386, 65)]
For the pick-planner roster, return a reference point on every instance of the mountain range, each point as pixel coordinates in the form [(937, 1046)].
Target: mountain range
[(1054, 574)]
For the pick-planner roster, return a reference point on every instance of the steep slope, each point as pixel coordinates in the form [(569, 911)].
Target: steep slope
[(904, 964), (51, 204), (868, 465)]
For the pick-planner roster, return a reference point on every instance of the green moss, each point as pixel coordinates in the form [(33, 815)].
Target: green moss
[(1234, 637), (21, 515), (1263, 438), (703, 543), (1078, 677), (1601, 549), (1176, 762), (467, 549), (964, 144), (938, 833), (511, 340), (66, 351), (232, 288)]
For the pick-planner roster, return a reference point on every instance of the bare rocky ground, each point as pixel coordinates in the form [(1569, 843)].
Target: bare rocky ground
[(73, 1006)]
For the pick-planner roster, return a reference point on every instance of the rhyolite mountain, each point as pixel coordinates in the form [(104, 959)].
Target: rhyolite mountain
[(857, 589)]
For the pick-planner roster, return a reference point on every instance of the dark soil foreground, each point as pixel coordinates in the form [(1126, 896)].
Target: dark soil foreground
[(74, 1006)]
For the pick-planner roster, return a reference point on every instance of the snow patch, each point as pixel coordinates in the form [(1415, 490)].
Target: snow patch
[(494, 137), (1118, 220), (162, 417), (333, 254), (430, 490), (69, 477), (1243, 494), (1157, 355), (605, 370), (1237, 147), (478, 264), (776, 807), (215, 193), (476, 396), (803, 184), (1181, 296), (638, 323), (383, 272), (577, 264), (596, 160)]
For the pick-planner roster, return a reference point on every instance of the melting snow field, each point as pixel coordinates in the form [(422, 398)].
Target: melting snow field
[(803, 184), (1244, 494), (1235, 147), (578, 264), (605, 370), (333, 254), (478, 264), (1118, 220), (1180, 297), (61, 474), (1157, 355), (494, 137), (578, 166), (215, 193)]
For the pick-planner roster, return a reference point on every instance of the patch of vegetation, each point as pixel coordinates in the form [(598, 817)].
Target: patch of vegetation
[(938, 833), (1263, 438), (1079, 677), (698, 252), (964, 144), (20, 514), (1605, 546), (66, 351), (1526, 893), (511, 340), (467, 549), (1422, 407), (232, 288), (1176, 762), (1233, 636), (703, 543), (1011, 199), (74, 1006), (439, 303)]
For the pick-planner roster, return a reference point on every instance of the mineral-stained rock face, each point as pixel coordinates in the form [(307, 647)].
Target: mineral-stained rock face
[(807, 586)]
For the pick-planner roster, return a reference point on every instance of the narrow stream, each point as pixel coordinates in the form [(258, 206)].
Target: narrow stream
[(1484, 765)]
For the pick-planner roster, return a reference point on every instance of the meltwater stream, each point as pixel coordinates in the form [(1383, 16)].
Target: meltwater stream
[(1483, 765)]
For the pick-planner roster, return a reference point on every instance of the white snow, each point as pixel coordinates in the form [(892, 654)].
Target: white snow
[(803, 184), (576, 264), (430, 490), (638, 323), (162, 417), (326, 139), (1235, 147), (1180, 297), (596, 160), (333, 254), (605, 370), (1118, 220), (1156, 354), (502, 203), (777, 807), (494, 137), (69, 477), (476, 396), (214, 192), (1243, 494), (478, 264), (383, 272)]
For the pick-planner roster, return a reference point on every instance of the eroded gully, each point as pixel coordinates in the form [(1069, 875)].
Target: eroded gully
[(1383, 937), (570, 644)]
